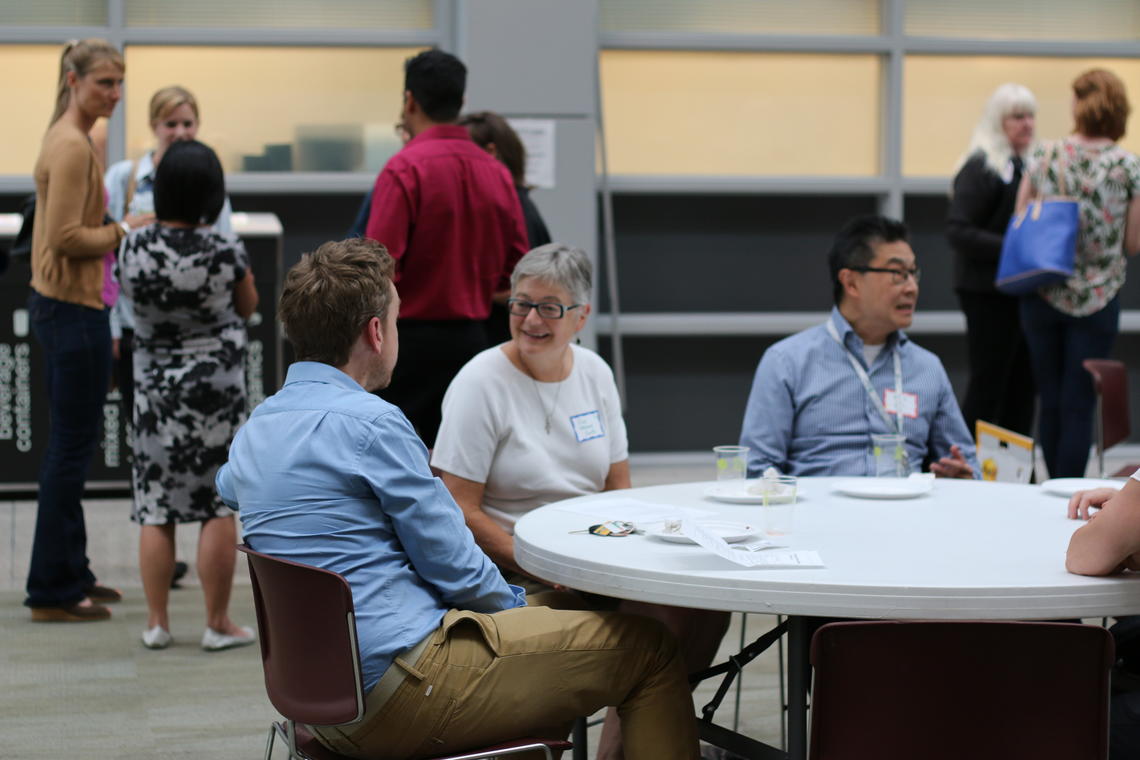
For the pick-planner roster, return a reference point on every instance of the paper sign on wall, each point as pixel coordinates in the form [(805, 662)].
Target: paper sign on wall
[(537, 137)]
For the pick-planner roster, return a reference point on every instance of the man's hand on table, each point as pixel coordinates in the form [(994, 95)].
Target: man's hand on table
[(953, 466)]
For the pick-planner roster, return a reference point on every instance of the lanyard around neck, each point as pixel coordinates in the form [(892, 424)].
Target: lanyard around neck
[(867, 386)]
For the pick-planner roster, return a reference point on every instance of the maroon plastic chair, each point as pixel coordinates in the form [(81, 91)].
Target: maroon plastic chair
[(1112, 423), (307, 630), (942, 690)]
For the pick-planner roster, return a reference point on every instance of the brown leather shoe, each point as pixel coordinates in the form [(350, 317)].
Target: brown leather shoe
[(74, 613), (104, 594)]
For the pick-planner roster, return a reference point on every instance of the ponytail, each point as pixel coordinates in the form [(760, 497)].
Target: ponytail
[(81, 56), (62, 92)]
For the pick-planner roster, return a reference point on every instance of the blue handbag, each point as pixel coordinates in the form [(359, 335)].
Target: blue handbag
[(1040, 244)]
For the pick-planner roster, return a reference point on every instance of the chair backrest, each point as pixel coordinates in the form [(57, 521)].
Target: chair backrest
[(307, 630), (948, 689), (1110, 379)]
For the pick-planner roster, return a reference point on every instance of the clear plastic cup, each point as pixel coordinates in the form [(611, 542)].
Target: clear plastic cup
[(731, 462), (889, 452), (778, 507)]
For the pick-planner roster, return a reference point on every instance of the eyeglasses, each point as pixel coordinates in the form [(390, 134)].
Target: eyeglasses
[(898, 276), (546, 310)]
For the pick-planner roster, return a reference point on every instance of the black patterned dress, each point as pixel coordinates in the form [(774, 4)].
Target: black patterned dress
[(188, 368)]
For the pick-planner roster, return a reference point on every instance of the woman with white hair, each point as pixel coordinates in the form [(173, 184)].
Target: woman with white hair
[(538, 419), (985, 192)]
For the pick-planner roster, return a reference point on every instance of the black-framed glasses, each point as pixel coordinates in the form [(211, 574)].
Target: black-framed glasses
[(546, 310), (898, 276)]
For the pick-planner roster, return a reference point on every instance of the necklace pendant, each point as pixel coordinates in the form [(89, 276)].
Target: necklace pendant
[(548, 426)]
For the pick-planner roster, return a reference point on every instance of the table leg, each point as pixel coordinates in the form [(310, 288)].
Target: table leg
[(798, 673), (579, 738)]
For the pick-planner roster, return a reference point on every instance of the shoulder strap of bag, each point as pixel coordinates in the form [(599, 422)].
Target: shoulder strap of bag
[(1060, 160), (132, 183)]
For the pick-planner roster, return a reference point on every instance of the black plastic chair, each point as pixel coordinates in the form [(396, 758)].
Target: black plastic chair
[(307, 631)]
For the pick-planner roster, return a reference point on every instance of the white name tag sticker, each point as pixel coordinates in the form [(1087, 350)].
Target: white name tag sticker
[(587, 426), (905, 404)]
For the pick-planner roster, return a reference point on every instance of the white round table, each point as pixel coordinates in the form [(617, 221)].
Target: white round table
[(966, 550)]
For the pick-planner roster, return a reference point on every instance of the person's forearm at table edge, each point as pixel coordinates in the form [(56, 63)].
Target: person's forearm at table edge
[(1111, 542)]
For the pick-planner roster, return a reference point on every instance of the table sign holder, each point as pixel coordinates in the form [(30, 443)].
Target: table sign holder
[(1005, 456)]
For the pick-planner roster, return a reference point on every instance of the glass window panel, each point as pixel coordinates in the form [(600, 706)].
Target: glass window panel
[(53, 12), (943, 98), (291, 108), (31, 97), (727, 113), (282, 14), (1025, 19), (742, 16)]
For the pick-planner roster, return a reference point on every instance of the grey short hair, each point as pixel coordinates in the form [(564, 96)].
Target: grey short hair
[(558, 264)]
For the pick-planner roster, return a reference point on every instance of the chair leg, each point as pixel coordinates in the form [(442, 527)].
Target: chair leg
[(291, 738), (269, 742), (1099, 432)]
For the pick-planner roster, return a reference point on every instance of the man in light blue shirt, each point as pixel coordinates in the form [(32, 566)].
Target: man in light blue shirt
[(327, 474), (819, 395)]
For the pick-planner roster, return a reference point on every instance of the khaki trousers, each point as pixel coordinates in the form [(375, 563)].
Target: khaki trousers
[(530, 671)]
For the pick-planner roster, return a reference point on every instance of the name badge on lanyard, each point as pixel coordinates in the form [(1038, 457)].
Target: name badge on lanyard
[(895, 404), (905, 404)]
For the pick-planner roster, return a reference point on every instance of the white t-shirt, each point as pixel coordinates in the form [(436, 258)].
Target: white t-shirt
[(494, 432), (871, 353)]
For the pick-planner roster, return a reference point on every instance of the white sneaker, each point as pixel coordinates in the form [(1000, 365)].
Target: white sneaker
[(157, 638), (215, 641)]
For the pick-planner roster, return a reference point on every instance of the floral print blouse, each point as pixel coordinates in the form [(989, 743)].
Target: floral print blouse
[(1102, 178)]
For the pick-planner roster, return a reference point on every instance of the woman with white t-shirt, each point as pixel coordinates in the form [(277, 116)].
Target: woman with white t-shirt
[(538, 419)]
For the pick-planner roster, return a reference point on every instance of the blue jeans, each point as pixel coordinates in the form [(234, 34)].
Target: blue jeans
[(76, 341), (1058, 343)]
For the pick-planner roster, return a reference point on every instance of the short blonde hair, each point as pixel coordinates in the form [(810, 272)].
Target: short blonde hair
[(163, 102)]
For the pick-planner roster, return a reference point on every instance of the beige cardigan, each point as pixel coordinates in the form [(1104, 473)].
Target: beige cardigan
[(69, 239)]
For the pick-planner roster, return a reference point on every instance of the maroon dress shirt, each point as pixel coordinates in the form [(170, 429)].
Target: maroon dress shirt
[(448, 213)]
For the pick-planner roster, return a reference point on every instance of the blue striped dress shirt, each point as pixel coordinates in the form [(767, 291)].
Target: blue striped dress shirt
[(808, 413)]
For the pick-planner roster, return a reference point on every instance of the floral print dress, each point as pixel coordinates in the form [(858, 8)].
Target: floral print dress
[(188, 367), (1103, 178)]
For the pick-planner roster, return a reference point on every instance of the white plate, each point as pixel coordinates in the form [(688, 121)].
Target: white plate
[(885, 488), (732, 532), (736, 492), (1068, 486)]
